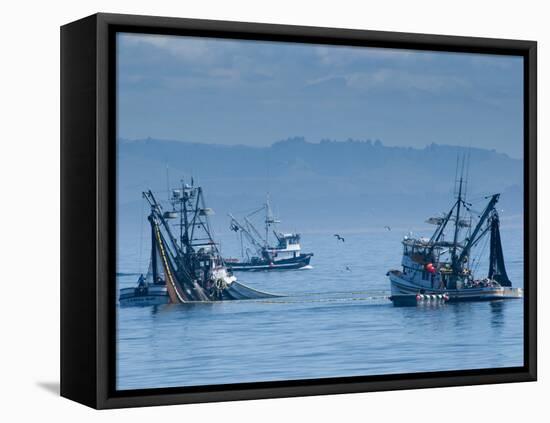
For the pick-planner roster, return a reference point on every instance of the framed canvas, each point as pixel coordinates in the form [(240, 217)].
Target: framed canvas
[(258, 211)]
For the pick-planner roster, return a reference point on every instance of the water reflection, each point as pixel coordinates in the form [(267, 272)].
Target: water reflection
[(497, 313)]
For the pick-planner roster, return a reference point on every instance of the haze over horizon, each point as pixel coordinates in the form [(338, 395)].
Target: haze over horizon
[(343, 185)]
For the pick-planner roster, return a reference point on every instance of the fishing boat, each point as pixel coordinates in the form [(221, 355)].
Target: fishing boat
[(438, 269), (186, 265), (261, 253)]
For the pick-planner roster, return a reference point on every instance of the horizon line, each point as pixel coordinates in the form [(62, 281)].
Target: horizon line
[(300, 139)]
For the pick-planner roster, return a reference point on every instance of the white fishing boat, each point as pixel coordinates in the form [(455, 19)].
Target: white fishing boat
[(438, 269), (261, 253)]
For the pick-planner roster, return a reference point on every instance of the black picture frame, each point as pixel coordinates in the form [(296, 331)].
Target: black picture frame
[(88, 123)]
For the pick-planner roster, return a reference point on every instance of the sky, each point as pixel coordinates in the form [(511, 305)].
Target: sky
[(231, 92)]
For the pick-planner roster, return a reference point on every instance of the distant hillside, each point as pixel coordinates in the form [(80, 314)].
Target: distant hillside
[(315, 185)]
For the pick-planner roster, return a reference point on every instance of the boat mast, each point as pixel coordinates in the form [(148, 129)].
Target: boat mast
[(184, 223), (154, 254), (439, 231), (156, 213), (267, 220), (457, 224), (196, 211)]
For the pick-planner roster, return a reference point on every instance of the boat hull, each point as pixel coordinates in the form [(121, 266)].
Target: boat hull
[(401, 286), (152, 295), (158, 295), (287, 264)]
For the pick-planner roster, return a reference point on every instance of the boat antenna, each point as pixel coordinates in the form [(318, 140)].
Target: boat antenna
[(268, 219), (457, 220), (268, 168), (468, 155), (456, 177)]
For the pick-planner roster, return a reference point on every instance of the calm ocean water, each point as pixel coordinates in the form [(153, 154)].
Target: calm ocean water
[(331, 322)]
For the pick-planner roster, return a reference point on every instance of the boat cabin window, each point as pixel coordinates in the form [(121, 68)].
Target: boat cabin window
[(292, 239)]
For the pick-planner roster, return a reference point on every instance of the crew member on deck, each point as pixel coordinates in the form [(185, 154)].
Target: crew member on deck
[(141, 281)]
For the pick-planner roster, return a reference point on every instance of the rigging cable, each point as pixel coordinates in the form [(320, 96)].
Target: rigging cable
[(477, 259), (140, 263)]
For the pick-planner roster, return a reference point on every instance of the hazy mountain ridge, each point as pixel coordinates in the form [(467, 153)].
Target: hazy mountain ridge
[(298, 154), (314, 184)]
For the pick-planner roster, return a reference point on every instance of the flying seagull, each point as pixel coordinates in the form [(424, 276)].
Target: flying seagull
[(339, 238), (387, 227)]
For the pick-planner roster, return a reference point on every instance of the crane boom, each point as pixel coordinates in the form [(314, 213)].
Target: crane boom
[(246, 232)]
